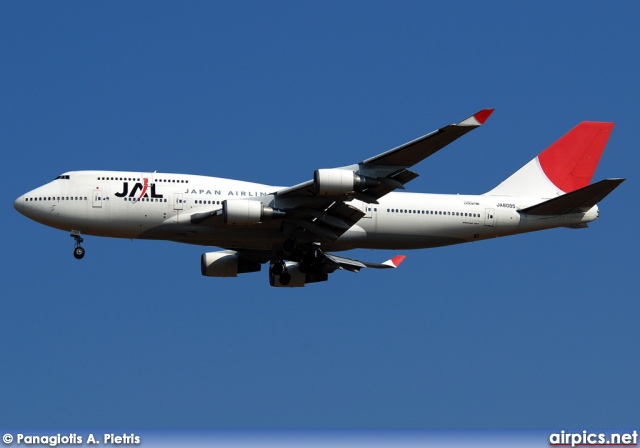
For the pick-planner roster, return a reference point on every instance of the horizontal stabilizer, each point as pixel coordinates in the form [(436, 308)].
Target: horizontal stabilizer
[(577, 201)]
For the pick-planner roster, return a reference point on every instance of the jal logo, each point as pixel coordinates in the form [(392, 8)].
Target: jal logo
[(139, 187)]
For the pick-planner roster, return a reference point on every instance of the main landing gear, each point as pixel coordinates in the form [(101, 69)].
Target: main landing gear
[(78, 251), (307, 260), (279, 268)]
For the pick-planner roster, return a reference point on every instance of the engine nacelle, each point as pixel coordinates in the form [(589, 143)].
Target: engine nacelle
[(329, 182), (225, 263), (242, 212), (298, 279)]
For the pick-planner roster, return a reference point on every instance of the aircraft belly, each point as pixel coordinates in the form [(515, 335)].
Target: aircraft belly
[(530, 223), (414, 231)]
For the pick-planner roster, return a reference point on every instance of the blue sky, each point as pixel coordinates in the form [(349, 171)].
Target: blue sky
[(536, 330)]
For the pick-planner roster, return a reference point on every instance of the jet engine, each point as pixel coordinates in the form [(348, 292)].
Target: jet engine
[(329, 182), (226, 263), (243, 212)]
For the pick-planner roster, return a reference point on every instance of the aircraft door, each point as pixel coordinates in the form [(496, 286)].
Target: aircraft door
[(488, 217), (96, 199), (177, 201), (366, 208)]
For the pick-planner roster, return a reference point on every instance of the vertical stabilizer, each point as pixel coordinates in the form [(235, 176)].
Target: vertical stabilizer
[(565, 166)]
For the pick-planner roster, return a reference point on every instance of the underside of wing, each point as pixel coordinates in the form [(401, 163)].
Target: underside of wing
[(352, 265), (295, 270), (329, 221)]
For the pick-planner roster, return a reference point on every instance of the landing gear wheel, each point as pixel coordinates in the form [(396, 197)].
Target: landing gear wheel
[(78, 252), (285, 278), (278, 268)]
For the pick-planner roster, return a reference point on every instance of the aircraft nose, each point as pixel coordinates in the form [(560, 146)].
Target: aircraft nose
[(18, 204)]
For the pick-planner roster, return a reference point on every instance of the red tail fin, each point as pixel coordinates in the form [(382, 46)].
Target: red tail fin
[(571, 161)]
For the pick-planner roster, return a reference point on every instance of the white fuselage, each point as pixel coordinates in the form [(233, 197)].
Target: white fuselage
[(160, 206)]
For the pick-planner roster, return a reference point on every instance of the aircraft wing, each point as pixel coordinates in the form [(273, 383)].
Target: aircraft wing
[(320, 205), (352, 265), (419, 149), (332, 263), (390, 169)]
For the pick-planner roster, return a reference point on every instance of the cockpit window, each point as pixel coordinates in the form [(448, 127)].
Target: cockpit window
[(63, 176)]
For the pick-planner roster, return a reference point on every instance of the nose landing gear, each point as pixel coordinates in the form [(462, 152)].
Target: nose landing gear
[(78, 251)]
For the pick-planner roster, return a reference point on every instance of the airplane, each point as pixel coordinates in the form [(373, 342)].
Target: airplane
[(295, 229)]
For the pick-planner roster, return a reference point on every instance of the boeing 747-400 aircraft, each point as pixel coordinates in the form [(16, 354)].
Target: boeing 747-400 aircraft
[(296, 229)]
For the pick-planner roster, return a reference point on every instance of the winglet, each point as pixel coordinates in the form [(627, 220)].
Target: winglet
[(477, 119), (395, 261)]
